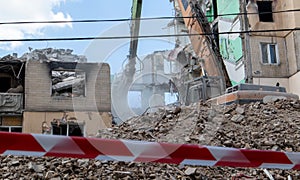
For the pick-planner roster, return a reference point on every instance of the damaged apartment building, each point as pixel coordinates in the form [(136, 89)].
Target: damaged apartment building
[(267, 53), (52, 91)]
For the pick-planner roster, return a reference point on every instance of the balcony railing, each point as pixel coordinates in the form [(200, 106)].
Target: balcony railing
[(11, 102)]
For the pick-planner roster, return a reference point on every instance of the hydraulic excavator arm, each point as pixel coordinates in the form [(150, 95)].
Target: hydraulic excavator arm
[(122, 85), (205, 47), (203, 44), (134, 33), (135, 27)]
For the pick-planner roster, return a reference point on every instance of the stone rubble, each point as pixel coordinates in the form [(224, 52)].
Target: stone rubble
[(271, 126), (46, 54), (51, 54)]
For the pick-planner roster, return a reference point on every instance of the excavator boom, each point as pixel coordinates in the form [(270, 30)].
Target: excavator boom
[(135, 27), (203, 44), (205, 48), (122, 84)]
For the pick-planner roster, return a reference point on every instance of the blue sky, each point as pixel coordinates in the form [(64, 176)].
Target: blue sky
[(85, 9), (79, 10), (113, 52)]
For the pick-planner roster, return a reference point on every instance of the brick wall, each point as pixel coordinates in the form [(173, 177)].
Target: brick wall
[(38, 89)]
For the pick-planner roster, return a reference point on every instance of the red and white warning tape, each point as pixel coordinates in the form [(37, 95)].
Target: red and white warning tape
[(141, 151)]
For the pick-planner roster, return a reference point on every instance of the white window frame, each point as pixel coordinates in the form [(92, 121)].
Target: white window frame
[(10, 127), (68, 129), (269, 53)]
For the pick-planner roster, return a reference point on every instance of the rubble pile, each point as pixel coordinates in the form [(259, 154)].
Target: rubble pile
[(9, 58), (53, 55), (266, 126), (13, 167), (271, 126)]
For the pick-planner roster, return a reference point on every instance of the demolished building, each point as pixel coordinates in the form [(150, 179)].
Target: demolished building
[(54, 96), (11, 94)]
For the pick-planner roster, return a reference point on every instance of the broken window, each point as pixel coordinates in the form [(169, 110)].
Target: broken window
[(269, 53), (67, 128), (265, 11), (10, 124), (68, 83), (11, 75), (5, 84)]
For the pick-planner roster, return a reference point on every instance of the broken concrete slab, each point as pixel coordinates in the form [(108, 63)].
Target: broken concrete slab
[(268, 99)]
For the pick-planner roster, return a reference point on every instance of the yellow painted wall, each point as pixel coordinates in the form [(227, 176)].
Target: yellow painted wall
[(32, 121)]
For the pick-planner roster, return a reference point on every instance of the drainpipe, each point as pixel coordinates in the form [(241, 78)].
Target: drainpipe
[(246, 42)]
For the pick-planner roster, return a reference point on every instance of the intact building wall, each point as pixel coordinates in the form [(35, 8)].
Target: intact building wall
[(38, 88), (291, 53), (268, 70)]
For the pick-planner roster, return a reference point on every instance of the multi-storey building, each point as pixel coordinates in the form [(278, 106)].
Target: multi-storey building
[(54, 97), (273, 56), (266, 51), (258, 40)]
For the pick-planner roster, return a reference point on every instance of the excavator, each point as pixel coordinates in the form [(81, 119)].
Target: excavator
[(207, 80), (208, 56)]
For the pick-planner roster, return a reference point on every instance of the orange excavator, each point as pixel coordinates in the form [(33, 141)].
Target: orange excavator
[(214, 84)]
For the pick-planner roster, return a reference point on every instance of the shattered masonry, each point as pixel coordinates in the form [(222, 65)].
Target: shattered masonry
[(43, 84)]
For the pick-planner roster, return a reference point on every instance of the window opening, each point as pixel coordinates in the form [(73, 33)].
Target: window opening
[(265, 11), (11, 128), (68, 83), (5, 84), (269, 53), (67, 128), (10, 124)]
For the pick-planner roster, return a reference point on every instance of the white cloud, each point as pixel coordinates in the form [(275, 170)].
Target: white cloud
[(28, 10)]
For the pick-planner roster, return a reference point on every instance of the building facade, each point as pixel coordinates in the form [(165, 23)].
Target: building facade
[(274, 42), (55, 97), (267, 50)]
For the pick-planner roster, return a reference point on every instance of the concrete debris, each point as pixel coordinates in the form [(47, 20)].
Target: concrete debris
[(36, 168), (68, 84), (240, 110), (239, 126), (189, 171), (268, 99), (199, 123), (9, 58), (50, 54), (237, 118)]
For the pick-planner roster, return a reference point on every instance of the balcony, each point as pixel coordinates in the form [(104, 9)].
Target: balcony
[(11, 102)]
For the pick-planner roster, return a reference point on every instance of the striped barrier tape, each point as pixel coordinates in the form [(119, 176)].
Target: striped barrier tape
[(140, 151)]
